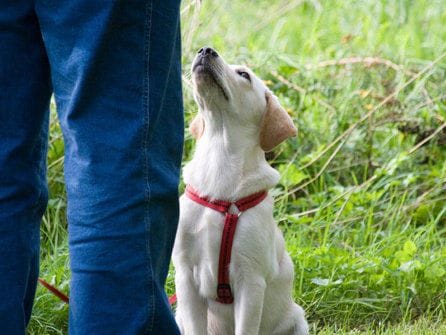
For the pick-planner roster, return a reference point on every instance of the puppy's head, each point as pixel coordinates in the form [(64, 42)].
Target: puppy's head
[(232, 96)]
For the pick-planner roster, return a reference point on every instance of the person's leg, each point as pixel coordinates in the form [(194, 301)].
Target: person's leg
[(24, 99), (117, 80)]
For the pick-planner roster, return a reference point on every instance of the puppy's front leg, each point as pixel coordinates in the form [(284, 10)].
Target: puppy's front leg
[(191, 313), (248, 305)]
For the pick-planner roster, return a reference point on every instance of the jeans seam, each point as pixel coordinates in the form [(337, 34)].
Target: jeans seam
[(145, 144), (169, 69), (42, 197)]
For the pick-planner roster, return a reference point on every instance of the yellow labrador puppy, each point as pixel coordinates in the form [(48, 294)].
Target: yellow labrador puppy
[(233, 274)]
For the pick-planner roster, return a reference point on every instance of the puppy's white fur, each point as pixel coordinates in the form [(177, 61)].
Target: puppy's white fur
[(229, 164)]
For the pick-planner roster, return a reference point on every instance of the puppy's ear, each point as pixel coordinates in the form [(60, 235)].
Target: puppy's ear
[(276, 126), (196, 127)]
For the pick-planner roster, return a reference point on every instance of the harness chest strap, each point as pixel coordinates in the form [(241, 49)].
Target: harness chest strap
[(224, 293)]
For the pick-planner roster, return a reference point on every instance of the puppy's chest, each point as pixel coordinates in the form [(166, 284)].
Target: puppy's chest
[(207, 241), (252, 249), (207, 237)]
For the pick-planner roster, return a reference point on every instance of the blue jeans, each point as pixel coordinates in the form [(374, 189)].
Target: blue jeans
[(114, 68)]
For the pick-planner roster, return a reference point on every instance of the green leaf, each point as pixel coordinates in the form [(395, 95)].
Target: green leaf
[(291, 175), (409, 248)]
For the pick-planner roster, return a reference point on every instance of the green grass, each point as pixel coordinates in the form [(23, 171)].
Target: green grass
[(361, 202)]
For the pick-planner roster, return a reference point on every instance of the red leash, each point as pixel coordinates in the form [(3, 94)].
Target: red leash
[(55, 291), (172, 299), (224, 293)]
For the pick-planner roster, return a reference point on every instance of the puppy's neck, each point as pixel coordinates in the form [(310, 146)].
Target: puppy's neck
[(228, 167)]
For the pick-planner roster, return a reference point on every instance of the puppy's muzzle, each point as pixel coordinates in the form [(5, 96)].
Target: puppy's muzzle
[(207, 51), (205, 56)]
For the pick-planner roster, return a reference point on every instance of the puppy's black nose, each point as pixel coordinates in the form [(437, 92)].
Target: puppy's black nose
[(207, 51)]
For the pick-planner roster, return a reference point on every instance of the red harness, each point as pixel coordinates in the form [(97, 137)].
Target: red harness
[(224, 293)]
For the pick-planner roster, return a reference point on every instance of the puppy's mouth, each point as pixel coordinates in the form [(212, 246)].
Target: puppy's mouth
[(204, 67)]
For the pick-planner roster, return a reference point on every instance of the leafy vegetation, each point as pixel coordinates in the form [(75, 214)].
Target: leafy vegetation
[(363, 191)]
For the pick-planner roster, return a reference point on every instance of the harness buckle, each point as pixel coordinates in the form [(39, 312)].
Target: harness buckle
[(224, 294)]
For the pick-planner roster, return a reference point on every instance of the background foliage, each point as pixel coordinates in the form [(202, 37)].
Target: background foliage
[(362, 196)]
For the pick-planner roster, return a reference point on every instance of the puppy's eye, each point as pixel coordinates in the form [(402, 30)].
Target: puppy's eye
[(244, 75)]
